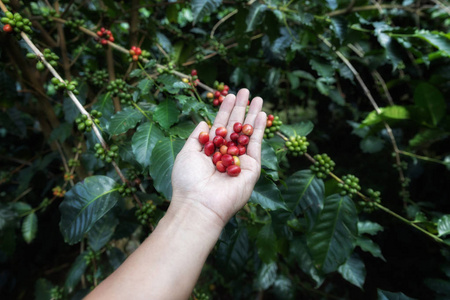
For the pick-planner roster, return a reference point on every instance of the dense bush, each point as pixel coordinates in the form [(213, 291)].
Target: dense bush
[(353, 195)]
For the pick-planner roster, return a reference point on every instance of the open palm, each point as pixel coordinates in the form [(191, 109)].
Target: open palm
[(195, 179)]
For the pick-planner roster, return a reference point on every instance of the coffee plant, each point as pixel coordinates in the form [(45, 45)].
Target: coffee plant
[(98, 97)]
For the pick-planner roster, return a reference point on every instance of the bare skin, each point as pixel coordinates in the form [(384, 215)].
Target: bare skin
[(169, 261)]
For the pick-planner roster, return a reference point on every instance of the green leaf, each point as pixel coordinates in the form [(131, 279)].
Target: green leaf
[(166, 114), (255, 15), (102, 231), (85, 204), (396, 112), (163, 158), (202, 8), (266, 276), (354, 271), (304, 193), (143, 142), (302, 128), (443, 225), (370, 246), (29, 227), (427, 136), (267, 194), (168, 82), (331, 239), (371, 144), (340, 27), (183, 129), (323, 68), (266, 242), (303, 257), (385, 295), (233, 252), (104, 105), (268, 156), (76, 271), (368, 227), (145, 85), (42, 289), (124, 120), (303, 74), (431, 99), (439, 40)]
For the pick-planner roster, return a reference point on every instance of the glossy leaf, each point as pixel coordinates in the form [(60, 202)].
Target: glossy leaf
[(42, 289), (143, 142), (369, 227), (255, 15), (124, 120), (29, 227), (266, 244), (233, 252), (268, 156), (267, 194), (431, 99), (331, 239), (76, 271), (202, 8), (85, 204), (385, 295), (162, 158), (439, 40), (102, 231), (166, 114), (354, 271), (443, 225), (370, 246), (304, 259), (304, 193), (266, 276), (303, 129)]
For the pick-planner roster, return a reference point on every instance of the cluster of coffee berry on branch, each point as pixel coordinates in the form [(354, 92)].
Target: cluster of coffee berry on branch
[(370, 204), (83, 122), (145, 214), (15, 22), (106, 154), (126, 190), (225, 154), (219, 95), (349, 185), (194, 76), (120, 89), (273, 125), (49, 56), (104, 35), (297, 145), (65, 85), (136, 53), (322, 165)]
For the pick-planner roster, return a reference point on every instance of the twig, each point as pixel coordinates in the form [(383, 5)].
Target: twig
[(211, 35)]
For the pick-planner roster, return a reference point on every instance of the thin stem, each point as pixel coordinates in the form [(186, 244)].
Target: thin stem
[(211, 35), (142, 112), (424, 158)]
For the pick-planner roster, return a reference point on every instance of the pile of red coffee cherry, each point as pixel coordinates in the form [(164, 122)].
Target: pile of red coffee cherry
[(225, 154)]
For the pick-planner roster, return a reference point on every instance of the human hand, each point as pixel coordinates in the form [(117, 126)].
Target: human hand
[(195, 179)]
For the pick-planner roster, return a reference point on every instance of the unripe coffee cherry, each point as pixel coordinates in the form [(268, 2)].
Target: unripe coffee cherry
[(209, 148), (237, 161), (233, 170), (203, 137)]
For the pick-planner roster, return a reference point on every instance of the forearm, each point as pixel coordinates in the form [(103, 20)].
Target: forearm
[(169, 261)]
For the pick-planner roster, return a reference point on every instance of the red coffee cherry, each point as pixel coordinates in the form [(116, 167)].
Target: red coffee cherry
[(242, 149), (237, 127), (216, 94), (269, 123), (247, 129), (203, 137), (209, 148), (216, 157), (7, 28), (220, 167), (218, 141), (231, 144), (234, 136), (222, 131), (194, 72), (216, 102), (243, 140), (227, 160), (233, 170), (270, 117), (223, 149), (233, 150)]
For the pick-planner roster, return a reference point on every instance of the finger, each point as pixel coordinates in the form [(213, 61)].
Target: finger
[(224, 113), (238, 113), (192, 143), (253, 111), (254, 146)]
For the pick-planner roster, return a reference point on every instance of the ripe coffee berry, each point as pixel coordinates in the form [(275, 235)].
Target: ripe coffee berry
[(7, 28), (222, 131), (220, 167), (242, 149), (234, 136), (203, 137), (247, 129), (233, 150), (227, 160), (209, 148), (237, 127), (243, 140), (223, 149), (217, 157), (233, 170), (218, 141)]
